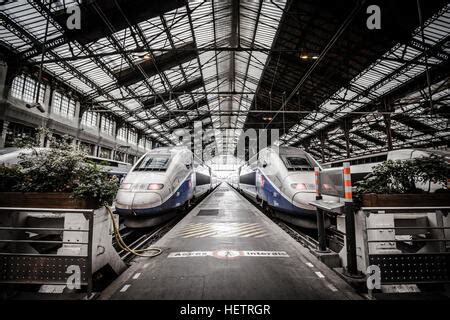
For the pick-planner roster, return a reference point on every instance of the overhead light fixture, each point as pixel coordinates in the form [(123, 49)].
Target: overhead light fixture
[(305, 56), (147, 56), (267, 118)]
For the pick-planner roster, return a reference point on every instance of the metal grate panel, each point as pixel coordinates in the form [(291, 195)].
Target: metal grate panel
[(40, 269), (413, 268)]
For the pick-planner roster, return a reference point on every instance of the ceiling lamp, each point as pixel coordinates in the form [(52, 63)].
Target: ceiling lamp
[(267, 118), (305, 56), (147, 56)]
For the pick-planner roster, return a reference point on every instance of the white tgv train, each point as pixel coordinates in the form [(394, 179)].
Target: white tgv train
[(282, 179), (161, 181)]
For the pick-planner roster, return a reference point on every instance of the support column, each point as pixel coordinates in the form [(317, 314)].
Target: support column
[(47, 100), (306, 145), (4, 131), (350, 238), (346, 126), (42, 140), (350, 230), (8, 71), (387, 108), (322, 138), (49, 138), (150, 142), (387, 123), (3, 74)]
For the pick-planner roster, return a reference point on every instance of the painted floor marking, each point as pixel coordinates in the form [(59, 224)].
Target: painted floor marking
[(333, 288), (319, 274), (228, 254), (309, 264), (254, 234), (125, 287), (136, 276), (222, 230)]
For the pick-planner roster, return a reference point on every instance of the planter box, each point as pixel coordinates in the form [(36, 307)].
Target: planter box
[(52, 200), (406, 200)]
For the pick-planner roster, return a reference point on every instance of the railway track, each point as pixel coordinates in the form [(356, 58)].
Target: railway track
[(304, 239), (335, 238), (147, 238), (137, 239)]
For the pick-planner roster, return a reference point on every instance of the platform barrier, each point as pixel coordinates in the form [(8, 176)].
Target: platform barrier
[(410, 245), (21, 260), (336, 183)]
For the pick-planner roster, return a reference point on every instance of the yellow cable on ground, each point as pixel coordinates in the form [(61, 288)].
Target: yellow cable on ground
[(123, 246)]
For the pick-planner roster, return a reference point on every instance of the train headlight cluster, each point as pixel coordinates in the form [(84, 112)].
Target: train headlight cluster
[(155, 186)]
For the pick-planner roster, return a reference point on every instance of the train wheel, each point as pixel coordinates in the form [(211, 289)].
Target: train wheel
[(187, 205), (260, 201), (268, 209), (263, 204)]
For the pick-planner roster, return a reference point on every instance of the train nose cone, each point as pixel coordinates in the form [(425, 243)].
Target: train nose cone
[(302, 200), (124, 199), (142, 200), (146, 200)]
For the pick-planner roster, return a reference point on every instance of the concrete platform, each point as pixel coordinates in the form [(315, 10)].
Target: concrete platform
[(227, 249)]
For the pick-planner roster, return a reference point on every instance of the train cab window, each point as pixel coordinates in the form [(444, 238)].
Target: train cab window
[(298, 163), (153, 162)]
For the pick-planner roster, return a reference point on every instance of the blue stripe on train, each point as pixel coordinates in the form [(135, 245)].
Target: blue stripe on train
[(178, 198), (279, 202)]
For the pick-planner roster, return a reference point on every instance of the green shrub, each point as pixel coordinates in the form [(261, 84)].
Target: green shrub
[(53, 170), (401, 176), (9, 176), (59, 169), (93, 183)]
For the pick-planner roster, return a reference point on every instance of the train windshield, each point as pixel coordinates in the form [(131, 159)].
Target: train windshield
[(298, 163), (153, 162)]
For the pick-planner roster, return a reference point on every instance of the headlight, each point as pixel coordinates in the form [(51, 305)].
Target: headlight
[(155, 186), (299, 186), (126, 186)]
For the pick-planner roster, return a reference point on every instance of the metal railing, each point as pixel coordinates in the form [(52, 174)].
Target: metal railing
[(19, 267), (429, 264)]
